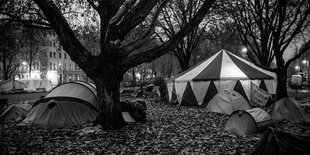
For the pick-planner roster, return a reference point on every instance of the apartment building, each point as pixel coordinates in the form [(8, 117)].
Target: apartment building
[(53, 64)]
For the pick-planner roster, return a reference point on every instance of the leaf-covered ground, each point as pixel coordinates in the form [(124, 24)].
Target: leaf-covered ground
[(169, 130)]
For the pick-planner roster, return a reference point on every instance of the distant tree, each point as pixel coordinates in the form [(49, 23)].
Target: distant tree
[(222, 35), (175, 16), (166, 65), (267, 28), (32, 43), (9, 49)]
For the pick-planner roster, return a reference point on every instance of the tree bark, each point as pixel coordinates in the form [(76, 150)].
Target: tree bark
[(108, 97), (281, 87)]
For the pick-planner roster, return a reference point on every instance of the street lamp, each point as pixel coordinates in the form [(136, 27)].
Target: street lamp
[(244, 51), (297, 68), (306, 68), (24, 63)]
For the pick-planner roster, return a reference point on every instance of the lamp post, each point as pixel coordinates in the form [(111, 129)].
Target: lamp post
[(244, 51), (297, 69), (306, 70)]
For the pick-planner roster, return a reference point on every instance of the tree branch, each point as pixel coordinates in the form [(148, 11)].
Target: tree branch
[(140, 41), (130, 20), (156, 52), (122, 11), (66, 36), (304, 49), (92, 3)]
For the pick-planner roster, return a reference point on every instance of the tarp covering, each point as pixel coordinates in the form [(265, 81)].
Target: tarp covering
[(7, 85), (275, 142), (289, 109), (223, 70), (69, 104), (228, 101), (241, 122), (259, 114), (33, 84), (15, 112)]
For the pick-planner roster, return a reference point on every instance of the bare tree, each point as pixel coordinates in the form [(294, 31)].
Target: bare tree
[(32, 42), (221, 36), (267, 28), (9, 49), (117, 19), (174, 17)]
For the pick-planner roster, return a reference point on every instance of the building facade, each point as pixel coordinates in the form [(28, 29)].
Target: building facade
[(53, 64)]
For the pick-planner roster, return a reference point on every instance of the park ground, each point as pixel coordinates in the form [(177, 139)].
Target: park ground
[(169, 129)]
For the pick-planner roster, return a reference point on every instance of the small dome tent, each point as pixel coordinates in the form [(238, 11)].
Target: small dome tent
[(245, 122), (15, 112), (224, 70), (227, 101), (288, 108), (69, 104)]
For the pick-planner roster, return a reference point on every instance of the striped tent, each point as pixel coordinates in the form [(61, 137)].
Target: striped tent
[(224, 70)]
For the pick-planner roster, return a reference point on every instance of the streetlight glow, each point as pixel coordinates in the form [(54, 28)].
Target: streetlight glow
[(305, 62), (244, 49)]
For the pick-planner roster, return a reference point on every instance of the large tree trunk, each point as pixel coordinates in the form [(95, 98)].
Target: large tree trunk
[(30, 68), (108, 97), (133, 83), (281, 87)]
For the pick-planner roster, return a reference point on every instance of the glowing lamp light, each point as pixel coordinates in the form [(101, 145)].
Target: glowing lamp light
[(297, 67), (244, 50), (138, 75), (305, 62), (24, 63)]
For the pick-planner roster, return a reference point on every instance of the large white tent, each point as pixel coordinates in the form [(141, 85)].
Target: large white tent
[(223, 70)]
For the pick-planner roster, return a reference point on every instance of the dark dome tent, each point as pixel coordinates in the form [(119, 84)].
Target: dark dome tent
[(289, 109), (69, 104), (246, 122), (276, 142)]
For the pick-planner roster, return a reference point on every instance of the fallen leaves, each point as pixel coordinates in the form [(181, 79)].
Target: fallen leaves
[(169, 129)]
